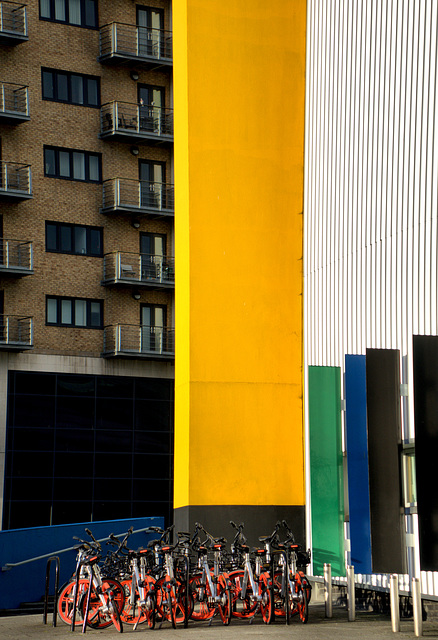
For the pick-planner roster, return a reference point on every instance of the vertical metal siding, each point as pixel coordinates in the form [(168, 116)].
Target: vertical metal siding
[(371, 163), (371, 197)]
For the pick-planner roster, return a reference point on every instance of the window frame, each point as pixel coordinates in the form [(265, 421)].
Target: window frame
[(60, 299), (87, 154), (66, 11), (88, 230), (85, 77)]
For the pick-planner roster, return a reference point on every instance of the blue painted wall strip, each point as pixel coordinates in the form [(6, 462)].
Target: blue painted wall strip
[(357, 462), (26, 582)]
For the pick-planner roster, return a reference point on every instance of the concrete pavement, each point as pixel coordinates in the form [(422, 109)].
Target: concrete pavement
[(367, 626)]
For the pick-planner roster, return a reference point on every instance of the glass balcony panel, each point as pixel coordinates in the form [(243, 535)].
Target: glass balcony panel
[(16, 332), (144, 341), (13, 22), (131, 122), (16, 257), (15, 180), (14, 104), (138, 196), (122, 42), (144, 269)]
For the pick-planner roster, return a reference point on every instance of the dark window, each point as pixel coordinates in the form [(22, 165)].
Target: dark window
[(80, 13), (74, 312), (72, 164), (74, 238), (74, 88)]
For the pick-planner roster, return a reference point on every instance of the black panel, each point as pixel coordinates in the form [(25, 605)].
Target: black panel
[(426, 446), (78, 448), (384, 433), (259, 520)]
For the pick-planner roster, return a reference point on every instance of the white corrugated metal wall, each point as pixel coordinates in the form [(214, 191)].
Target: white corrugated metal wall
[(371, 188)]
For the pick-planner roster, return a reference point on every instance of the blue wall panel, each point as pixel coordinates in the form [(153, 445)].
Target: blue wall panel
[(26, 582), (357, 462)]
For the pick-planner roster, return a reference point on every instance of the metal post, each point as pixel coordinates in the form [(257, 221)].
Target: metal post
[(417, 607), (351, 595), (114, 42), (46, 594), (395, 609), (328, 590)]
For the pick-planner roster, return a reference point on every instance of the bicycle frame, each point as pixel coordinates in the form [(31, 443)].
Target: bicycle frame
[(249, 575)]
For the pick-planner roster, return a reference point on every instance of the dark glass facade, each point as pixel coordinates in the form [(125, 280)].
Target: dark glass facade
[(83, 448)]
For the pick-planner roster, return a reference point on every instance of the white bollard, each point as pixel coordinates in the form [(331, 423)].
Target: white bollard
[(395, 608), (417, 607), (351, 594), (328, 590)]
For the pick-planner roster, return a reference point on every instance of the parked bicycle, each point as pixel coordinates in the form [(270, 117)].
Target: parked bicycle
[(90, 596), (292, 590), (210, 585), (251, 586)]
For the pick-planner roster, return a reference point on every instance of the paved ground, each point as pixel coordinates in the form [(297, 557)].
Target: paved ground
[(367, 626)]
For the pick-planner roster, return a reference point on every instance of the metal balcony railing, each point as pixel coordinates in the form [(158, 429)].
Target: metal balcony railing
[(142, 341), (122, 42), (139, 269), (13, 22), (14, 102), (16, 332), (138, 196), (16, 257), (15, 180), (136, 122)]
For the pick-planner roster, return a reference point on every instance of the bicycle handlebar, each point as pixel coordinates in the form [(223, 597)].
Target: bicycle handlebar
[(289, 532), (239, 538), (210, 540)]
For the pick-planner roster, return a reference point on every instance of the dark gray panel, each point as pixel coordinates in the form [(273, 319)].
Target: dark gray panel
[(259, 520), (384, 432)]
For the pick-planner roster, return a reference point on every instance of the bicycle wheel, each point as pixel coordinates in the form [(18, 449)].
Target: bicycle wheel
[(132, 612), (306, 585), (149, 610), (302, 604), (279, 599), (224, 605), (164, 587), (66, 601), (267, 601), (203, 608), (99, 616), (171, 608), (115, 613), (241, 607)]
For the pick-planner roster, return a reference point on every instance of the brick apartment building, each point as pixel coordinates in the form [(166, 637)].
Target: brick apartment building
[(86, 261)]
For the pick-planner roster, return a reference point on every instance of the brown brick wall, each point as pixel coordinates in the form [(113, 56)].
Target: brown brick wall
[(72, 48)]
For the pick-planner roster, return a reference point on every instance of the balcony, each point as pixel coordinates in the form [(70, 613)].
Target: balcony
[(16, 258), (13, 23), (139, 270), (16, 333), (128, 122), (14, 103), (127, 43), (139, 341), (15, 181), (138, 197)]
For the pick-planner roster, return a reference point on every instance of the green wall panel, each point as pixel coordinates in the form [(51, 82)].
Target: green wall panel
[(326, 469)]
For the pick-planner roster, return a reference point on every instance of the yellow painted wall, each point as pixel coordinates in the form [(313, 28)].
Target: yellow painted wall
[(239, 71)]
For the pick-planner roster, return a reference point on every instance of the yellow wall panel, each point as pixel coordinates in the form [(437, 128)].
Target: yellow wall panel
[(239, 134)]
